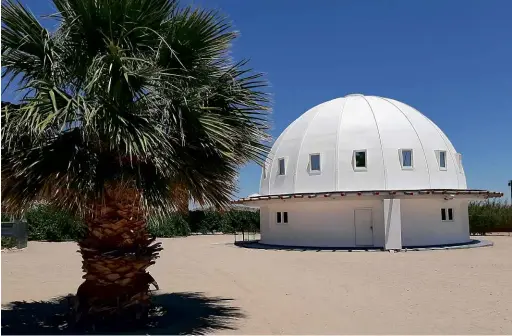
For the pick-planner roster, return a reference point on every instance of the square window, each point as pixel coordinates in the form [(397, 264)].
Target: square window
[(285, 217), (360, 159), (406, 158), (314, 162), (441, 157), (282, 168), (278, 217)]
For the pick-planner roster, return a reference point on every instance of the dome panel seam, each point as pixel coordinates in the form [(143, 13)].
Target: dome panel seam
[(336, 154), (282, 136), (419, 139), (294, 181), (380, 141), (441, 133)]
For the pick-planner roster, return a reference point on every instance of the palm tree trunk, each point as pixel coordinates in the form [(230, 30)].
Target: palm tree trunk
[(116, 253)]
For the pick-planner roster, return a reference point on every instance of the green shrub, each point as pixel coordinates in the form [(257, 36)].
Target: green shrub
[(241, 220), (211, 222), (48, 223), (490, 216), (169, 226)]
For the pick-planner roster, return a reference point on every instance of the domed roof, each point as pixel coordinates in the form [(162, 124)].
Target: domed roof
[(361, 143)]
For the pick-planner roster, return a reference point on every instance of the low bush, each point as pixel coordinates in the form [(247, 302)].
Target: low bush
[(169, 226), (234, 220), (241, 221), (50, 224), (212, 221), (490, 216)]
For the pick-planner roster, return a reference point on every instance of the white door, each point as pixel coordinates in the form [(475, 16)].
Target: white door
[(364, 227)]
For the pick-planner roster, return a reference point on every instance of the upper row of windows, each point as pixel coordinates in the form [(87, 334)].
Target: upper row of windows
[(359, 161)]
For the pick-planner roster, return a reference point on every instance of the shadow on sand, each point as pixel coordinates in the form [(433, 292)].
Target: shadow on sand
[(176, 313)]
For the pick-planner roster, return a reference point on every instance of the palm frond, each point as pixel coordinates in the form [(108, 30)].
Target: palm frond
[(128, 90), (27, 47)]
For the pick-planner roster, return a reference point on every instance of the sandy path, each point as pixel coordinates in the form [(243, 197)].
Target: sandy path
[(288, 292)]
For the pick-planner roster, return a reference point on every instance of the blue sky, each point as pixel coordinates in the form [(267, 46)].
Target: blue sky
[(452, 60)]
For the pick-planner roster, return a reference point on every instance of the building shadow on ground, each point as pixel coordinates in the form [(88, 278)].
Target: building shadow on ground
[(176, 313), (255, 244)]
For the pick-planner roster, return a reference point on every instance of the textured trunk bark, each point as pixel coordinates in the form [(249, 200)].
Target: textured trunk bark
[(116, 253)]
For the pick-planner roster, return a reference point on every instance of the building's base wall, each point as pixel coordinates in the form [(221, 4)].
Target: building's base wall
[(330, 223), (422, 224), (318, 224)]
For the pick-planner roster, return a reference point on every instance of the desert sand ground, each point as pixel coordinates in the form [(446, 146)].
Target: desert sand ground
[(219, 288)]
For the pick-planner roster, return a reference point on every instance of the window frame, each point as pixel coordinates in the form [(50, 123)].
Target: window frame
[(438, 156), (354, 161), (281, 159), (282, 217), (448, 214), (315, 171), (401, 158)]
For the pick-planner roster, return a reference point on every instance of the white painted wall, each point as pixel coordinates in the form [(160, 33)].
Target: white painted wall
[(392, 224), (422, 224), (329, 223)]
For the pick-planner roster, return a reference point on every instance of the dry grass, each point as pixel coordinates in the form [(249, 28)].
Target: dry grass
[(288, 292)]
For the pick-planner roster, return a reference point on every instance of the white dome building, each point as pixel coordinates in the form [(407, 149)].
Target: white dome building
[(363, 171)]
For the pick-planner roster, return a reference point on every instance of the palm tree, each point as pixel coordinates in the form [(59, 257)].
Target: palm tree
[(129, 109)]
